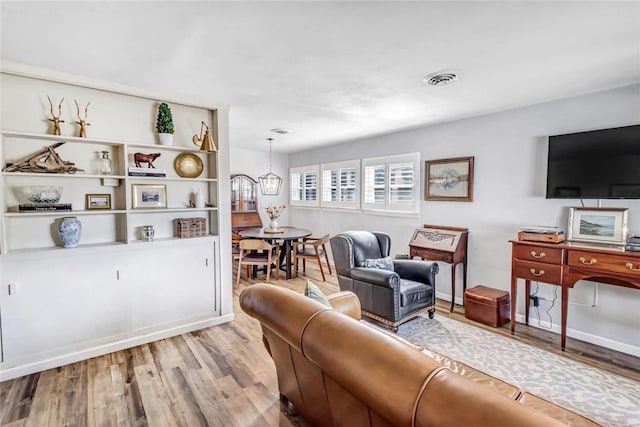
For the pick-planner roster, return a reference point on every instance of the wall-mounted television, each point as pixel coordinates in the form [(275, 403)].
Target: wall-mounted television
[(599, 164)]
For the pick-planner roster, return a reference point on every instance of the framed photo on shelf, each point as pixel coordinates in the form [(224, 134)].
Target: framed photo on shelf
[(598, 225), (98, 201), (149, 196), (449, 179)]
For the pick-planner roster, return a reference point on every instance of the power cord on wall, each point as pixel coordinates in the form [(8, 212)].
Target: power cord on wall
[(536, 304)]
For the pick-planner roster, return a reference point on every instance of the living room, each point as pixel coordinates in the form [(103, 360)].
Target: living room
[(508, 144)]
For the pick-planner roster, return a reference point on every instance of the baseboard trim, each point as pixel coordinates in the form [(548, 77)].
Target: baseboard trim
[(18, 368), (573, 333), (582, 336)]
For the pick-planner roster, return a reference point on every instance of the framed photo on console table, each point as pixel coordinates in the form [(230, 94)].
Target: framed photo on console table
[(598, 225), (449, 179)]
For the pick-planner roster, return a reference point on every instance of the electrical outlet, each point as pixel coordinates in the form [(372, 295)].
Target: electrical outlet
[(535, 299)]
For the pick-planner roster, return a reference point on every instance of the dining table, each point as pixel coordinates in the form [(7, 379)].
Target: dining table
[(288, 235)]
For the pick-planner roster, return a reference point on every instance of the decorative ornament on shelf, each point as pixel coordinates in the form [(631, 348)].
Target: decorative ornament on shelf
[(106, 167), (148, 233), (164, 124), (206, 142), (270, 183), (70, 230), (139, 158), (46, 160), (56, 120), (82, 122), (274, 213)]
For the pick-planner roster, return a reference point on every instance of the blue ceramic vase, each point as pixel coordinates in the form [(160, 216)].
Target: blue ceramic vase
[(70, 230)]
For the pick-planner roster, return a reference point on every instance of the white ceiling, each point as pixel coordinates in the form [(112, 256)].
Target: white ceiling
[(335, 71)]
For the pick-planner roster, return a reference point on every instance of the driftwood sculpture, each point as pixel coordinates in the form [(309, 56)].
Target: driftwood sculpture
[(44, 161), (56, 120), (82, 122)]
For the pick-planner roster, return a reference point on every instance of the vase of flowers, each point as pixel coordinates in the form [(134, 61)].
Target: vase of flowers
[(274, 213)]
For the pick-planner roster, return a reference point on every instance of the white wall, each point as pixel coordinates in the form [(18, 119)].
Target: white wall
[(255, 164), (510, 172)]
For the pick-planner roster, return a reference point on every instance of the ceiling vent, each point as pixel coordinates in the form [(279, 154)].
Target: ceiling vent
[(442, 78), (281, 131)]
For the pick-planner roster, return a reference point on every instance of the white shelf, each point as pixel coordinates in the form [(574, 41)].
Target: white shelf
[(96, 141), (61, 250), (59, 138), (64, 213), (166, 210), (60, 175), (163, 178)]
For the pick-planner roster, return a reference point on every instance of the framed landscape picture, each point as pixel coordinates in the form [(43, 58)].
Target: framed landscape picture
[(598, 225), (148, 196), (98, 201), (449, 179)]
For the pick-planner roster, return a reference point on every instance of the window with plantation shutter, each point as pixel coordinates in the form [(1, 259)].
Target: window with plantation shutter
[(391, 183), (341, 184), (304, 186)]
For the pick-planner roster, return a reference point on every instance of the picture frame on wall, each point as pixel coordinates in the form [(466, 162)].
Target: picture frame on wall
[(98, 201), (149, 196), (449, 179), (598, 225)]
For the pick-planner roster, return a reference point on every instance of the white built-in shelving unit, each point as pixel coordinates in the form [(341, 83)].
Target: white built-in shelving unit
[(115, 290)]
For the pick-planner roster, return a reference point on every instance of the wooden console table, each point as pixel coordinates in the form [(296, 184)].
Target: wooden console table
[(566, 263), (446, 244)]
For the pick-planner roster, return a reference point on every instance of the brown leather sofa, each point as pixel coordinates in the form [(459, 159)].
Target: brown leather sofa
[(337, 371)]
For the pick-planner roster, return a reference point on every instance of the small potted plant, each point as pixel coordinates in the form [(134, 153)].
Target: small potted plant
[(164, 124)]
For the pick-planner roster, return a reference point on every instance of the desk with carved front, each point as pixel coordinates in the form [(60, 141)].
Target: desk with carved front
[(565, 264), (446, 244)]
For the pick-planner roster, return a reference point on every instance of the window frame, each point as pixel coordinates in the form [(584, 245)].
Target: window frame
[(412, 207), (303, 171), (338, 167)]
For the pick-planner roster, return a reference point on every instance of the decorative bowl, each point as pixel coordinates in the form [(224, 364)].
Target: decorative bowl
[(42, 195)]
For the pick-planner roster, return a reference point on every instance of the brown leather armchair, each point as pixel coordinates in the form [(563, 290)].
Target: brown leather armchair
[(389, 297)]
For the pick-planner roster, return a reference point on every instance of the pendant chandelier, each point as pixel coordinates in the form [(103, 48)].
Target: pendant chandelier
[(270, 183)]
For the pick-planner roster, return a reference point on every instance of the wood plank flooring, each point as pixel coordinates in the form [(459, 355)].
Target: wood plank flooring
[(219, 376)]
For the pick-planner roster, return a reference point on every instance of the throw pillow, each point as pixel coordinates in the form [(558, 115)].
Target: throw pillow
[(385, 263), (312, 291)]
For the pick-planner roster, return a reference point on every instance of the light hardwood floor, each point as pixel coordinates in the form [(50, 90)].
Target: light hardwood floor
[(219, 376)]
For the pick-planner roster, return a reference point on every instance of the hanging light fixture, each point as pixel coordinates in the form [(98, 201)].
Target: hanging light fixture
[(270, 183)]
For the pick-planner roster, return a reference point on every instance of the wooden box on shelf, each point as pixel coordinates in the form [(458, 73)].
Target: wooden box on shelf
[(541, 237), (191, 227)]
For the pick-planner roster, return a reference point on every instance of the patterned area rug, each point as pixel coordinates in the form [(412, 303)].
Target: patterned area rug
[(606, 398)]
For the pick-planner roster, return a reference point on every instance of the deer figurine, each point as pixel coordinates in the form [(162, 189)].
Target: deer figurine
[(56, 120), (82, 122)]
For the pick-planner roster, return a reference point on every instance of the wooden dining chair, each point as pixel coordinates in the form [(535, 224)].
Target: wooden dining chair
[(311, 248), (235, 245), (269, 254)]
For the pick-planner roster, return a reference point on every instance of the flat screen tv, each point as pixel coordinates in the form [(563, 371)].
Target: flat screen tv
[(599, 164)]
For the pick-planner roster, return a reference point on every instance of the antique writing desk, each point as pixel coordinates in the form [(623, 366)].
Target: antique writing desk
[(446, 244), (566, 263)]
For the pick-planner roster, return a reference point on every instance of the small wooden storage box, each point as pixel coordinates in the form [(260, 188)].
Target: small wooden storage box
[(191, 227), (487, 305)]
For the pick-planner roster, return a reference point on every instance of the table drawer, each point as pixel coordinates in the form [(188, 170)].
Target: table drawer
[(538, 254), (619, 263), (539, 271), (432, 255)]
